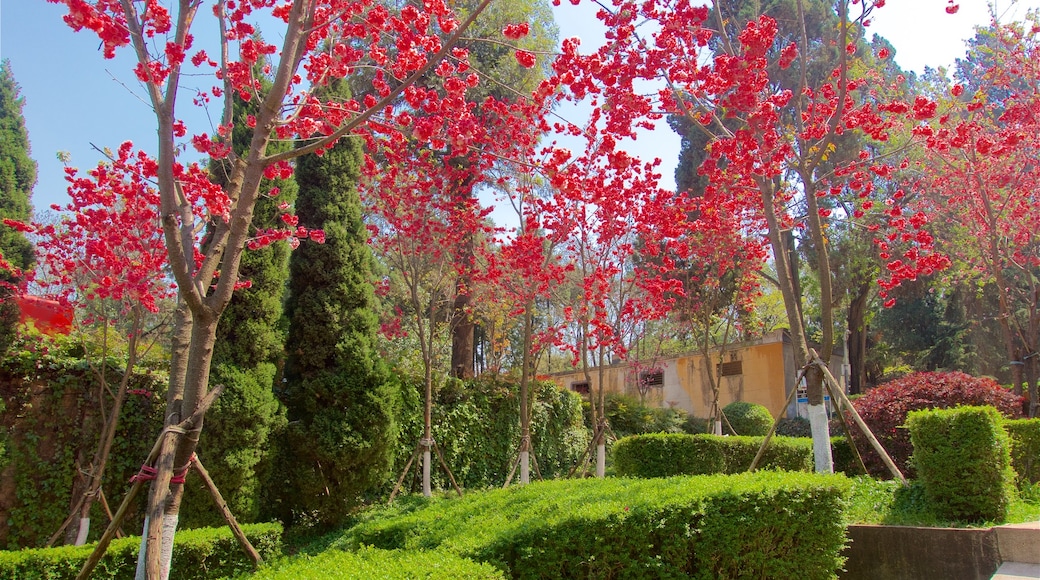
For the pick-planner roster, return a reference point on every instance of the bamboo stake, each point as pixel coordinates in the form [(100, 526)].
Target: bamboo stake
[(113, 526), (776, 421), (859, 420), (223, 507), (404, 473)]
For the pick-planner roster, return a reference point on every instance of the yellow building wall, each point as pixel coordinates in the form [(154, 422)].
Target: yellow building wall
[(686, 383)]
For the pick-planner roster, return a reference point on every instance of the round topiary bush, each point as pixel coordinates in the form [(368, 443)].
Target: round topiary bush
[(884, 410), (747, 418)]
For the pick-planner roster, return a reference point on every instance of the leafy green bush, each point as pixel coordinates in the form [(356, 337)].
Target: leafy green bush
[(627, 415), (1025, 448), (369, 563), (884, 409), (844, 457), (476, 424), (747, 418), (201, 553), (760, 525), (666, 454), (794, 427), (963, 461), (52, 419)]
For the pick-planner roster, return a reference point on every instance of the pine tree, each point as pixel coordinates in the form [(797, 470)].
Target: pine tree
[(247, 357), (17, 178), (340, 398)]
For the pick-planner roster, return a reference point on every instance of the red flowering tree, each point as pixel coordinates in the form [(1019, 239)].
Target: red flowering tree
[(981, 176), (102, 256), (321, 40), (772, 164)]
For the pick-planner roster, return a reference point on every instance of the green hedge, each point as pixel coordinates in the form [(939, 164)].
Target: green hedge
[(201, 553), (371, 563), (667, 454), (963, 461), (757, 525), (1025, 448)]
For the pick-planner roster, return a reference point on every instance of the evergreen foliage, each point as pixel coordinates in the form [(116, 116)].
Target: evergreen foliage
[(17, 178), (341, 401), (247, 357)]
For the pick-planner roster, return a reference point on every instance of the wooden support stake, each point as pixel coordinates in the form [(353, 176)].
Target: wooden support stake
[(223, 507), (776, 421), (859, 420), (404, 473)]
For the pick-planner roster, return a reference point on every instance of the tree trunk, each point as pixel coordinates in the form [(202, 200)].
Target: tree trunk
[(857, 344)]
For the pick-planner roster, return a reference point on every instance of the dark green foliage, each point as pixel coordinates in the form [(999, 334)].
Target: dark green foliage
[(17, 178), (342, 403), (627, 415), (884, 409), (925, 329), (794, 427), (747, 418), (476, 424), (1025, 448), (197, 554), (963, 462), (246, 358), (761, 525), (844, 457), (372, 563), (662, 455), (51, 419)]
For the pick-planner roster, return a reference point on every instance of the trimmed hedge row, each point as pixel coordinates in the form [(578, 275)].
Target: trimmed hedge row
[(754, 525), (1025, 448), (963, 461), (668, 454), (197, 554), (370, 563)]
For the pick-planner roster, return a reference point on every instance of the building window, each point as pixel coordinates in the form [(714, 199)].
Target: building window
[(731, 368), (654, 378), (581, 387)]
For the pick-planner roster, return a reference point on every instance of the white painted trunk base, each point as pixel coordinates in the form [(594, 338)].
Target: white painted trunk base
[(821, 438), (169, 530), (601, 460), (426, 491)]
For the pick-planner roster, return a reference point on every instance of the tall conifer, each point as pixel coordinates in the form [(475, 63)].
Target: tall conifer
[(247, 355), (17, 178), (341, 400)]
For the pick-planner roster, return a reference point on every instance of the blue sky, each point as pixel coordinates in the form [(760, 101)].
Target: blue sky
[(75, 98)]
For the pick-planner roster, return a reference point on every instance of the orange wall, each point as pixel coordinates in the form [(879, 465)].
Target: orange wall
[(686, 383)]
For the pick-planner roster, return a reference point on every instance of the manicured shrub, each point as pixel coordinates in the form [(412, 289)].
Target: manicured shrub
[(884, 409), (662, 455), (369, 563), (963, 461), (758, 525), (667, 454), (747, 418), (1025, 448), (197, 554)]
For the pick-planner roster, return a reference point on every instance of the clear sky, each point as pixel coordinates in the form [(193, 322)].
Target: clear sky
[(75, 98)]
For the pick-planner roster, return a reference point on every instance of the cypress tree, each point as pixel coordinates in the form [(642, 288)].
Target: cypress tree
[(17, 178), (341, 400), (247, 358)]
